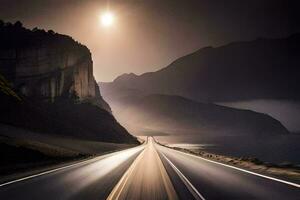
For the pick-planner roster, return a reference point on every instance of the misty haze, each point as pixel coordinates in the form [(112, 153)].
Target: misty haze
[(149, 100)]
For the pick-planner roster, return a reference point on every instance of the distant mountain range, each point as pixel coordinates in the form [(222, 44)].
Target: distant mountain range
[(181, 96), (259, 69), (175, 115)]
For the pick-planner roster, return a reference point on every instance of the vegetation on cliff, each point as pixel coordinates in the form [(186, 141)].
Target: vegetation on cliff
[(17, 36)]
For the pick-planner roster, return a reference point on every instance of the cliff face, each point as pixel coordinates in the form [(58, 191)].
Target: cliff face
[(48, 71), (47, 66), (56, 93)]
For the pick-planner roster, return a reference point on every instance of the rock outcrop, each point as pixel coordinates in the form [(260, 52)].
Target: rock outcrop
[(46, 65), (52, 77)]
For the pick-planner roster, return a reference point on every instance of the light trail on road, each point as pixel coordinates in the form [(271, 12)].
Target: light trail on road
[(148, 172)]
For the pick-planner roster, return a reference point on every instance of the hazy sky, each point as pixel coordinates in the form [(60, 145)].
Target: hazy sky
[(149, 34)]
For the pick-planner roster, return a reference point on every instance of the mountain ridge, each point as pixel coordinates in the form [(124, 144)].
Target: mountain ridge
[(263, 68), (177, 115)]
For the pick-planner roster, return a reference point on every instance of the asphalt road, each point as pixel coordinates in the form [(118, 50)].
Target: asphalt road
[(146, 179), (210, 180), (149, 172), (93, 179)]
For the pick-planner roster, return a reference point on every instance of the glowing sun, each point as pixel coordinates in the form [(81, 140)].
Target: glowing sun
[(107, 19)]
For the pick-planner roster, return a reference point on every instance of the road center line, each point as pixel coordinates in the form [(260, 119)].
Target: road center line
[(167, 182), (117, 190), (189, 185)]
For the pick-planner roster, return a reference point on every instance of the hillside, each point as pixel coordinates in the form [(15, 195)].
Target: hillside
[(175, 115), (259, 69), (47, 85)]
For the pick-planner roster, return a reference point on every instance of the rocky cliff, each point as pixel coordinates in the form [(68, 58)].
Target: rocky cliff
[(52, 76), (46, 65)]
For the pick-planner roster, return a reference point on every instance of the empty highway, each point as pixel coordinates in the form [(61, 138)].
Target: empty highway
[(149, 172)]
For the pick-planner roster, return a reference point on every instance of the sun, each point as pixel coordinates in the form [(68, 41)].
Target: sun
[(107, 19)]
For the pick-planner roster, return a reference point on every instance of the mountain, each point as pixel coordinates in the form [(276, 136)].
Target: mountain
[(47, 85), (175, 115), (259, 69)]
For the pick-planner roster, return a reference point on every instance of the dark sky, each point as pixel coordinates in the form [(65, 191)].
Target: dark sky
[(149, 34)]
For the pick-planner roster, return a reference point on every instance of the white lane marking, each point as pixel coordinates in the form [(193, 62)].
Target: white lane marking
[(243, 170), (65, 167), (118, 189), (189, 185)]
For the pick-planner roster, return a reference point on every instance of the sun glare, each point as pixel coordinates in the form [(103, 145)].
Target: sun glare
[(107, 19)]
